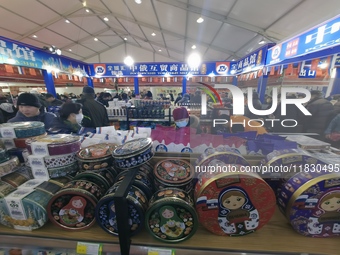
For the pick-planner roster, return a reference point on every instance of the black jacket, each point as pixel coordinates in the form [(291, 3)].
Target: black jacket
[(59, 126), (322, 113), (95, 114)]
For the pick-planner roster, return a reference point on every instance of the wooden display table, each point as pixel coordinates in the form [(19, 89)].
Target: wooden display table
[(275, 237)]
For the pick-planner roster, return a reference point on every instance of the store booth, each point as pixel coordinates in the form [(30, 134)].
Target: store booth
[(142, 188)]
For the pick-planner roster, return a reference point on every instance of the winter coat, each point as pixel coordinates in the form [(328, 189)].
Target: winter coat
[(292, 113), (60, 126), (322, 113), (95, 114), (334, 126), (45, 117)]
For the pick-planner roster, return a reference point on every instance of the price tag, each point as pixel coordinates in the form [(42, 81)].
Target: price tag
[(89, 248), (153, 251)]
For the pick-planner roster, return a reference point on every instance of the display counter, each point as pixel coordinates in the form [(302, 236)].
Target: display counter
[(277, 237)]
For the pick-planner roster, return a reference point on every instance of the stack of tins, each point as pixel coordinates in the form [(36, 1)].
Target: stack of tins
[(229, 200), (95, 163), (309, 195), (131, 156), (14, 136), (53, 156), (25, 208), (171, 215)]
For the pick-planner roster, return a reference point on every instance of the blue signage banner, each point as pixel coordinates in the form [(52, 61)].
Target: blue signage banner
[(323, 36), (252, 61), (159, 69), (16, 53), (307, 73)]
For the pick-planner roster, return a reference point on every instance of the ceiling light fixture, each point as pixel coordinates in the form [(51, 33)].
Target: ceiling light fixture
[(84, 3), (125, 39), (34, 36), (153, 34), (87, 10), (160, 50), (194, 60), (128, 61), (193, 47), (200, 20), (106, 19), (138, 1), (69, 49), (96, 39), (67, 21), (263, 41), (52, 49)]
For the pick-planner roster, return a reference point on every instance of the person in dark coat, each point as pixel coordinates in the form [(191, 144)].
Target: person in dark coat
[(337, 103), (69, 120), (322, 113), (178, 98), (29, 106), (52, 101), (95, 114)]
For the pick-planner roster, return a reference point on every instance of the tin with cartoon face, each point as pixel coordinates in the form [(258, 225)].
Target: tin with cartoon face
[(171, 216), (311, 202), (133, 153), (233, 203), (95, 157), (173, 172), (106, 212), (73, 207)]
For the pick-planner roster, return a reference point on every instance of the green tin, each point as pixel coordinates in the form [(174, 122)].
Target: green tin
[(171, 216)]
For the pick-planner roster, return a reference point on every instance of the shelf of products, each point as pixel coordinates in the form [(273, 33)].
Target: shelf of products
[(277, 237)]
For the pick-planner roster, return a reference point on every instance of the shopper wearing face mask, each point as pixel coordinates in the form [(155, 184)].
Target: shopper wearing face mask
[(183, 119), (69, 120)]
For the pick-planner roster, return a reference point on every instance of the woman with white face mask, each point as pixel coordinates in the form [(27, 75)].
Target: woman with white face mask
[(69, 120)]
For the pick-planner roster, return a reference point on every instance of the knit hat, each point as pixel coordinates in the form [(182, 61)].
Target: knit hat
[(28, 99), (88, 90), (180, 113)]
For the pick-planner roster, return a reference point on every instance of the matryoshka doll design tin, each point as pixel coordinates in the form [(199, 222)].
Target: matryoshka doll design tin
[(311, 203), (73, 207), (106, 211), (133, 153), (175, 173), (171, 216), (234, 203)]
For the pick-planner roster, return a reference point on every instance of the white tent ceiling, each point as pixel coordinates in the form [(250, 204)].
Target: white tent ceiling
[(231, 28)]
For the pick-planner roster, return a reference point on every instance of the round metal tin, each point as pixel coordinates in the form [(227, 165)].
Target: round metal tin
[(21, 142), (25, 129), (106, 212), (311, 203), (233, 203), (15, 179), (5, 155), (171, 216), (95, 164), (63, 170), (73, 207), (34, 210), (96, 151), (61, 180), (59, 144), (61, 160), (222, 154), (8, 166), (133, 153), (141, 181), (103, 179), (5, 189), (174, 173)]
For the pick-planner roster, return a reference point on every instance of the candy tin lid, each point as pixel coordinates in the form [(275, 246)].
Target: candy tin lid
[(221, 154), (311, 202), (233, 204), (174, 171), (54, 139), (97, 178), (5, 189), (97, 151), (171, 216), (106, 211), (73, 207), (19, 128), (132, 147)]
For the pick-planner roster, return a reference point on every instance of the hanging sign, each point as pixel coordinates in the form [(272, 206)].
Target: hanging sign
[(307, 73), (323, 36)]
